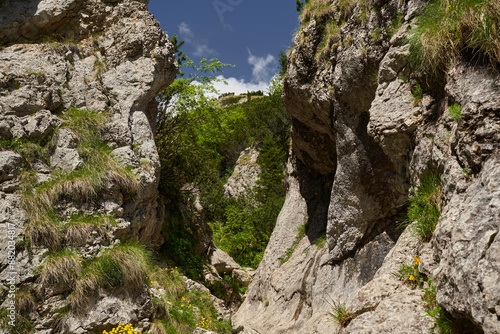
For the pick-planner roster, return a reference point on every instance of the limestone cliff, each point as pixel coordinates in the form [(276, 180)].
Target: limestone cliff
[(78, 165), (361, 140)]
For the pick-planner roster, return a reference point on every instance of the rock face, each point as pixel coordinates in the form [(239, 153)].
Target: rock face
[(109, 57), (360, 141), (245, 174)]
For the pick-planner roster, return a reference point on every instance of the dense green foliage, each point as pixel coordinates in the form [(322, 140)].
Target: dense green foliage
[(447, 29), (199, 143), (242, 227)]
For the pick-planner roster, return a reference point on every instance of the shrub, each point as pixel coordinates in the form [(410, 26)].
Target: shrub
[(179, 310), (446, 28)]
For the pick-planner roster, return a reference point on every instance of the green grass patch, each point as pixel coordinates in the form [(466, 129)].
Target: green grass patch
[(82, 185), (301, 233), (28, 150), (376, 35), (417, 94), (317, 10), (424, 208), (61, 269), (179, 310), (330, 38), (125, 265), (445, 29), (455, 112), (22, 324), (320, 241), (396, 24)]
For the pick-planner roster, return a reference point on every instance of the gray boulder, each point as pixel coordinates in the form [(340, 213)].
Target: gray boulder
[(221, 261), (66, 159), (11, 164)]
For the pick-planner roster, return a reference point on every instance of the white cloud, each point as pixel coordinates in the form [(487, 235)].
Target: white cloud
[(263, 67), (185, 31), (239, 86), (199, 45)]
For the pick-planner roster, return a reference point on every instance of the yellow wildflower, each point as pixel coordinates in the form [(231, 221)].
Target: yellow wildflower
[(417, 259), (411, 278)]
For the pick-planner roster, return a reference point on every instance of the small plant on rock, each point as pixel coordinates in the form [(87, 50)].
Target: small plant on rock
[(123, 329), (341, 314), (425, 207), (410, 273), (416, 94), (455, 112)]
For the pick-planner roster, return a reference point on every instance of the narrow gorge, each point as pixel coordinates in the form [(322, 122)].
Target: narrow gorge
[(387, 184)]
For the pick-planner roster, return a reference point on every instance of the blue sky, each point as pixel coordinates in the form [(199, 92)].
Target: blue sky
[(248, 34)]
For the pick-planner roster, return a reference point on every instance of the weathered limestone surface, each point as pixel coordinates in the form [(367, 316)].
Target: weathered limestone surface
[(365, 141), (245, 174), (108, 55)]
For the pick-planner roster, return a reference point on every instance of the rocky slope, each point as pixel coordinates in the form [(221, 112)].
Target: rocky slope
[(360, 141), (65, 62)]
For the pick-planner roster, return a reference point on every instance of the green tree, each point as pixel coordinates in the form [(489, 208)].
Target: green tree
[(181, 57), (199, 142), (283, 61), (185, 107), (299, 5)]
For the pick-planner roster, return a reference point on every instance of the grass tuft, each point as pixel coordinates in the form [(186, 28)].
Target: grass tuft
[(61, 269), (125, 265), (425, 207), (455, 112), (79, 186), (330, 39), (320, 241), (446, 28), (341, 314), (417, 94), (316, 10), (79, 228)]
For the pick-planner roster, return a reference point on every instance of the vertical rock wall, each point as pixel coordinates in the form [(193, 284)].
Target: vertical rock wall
[(105, 56), (360, 140)]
